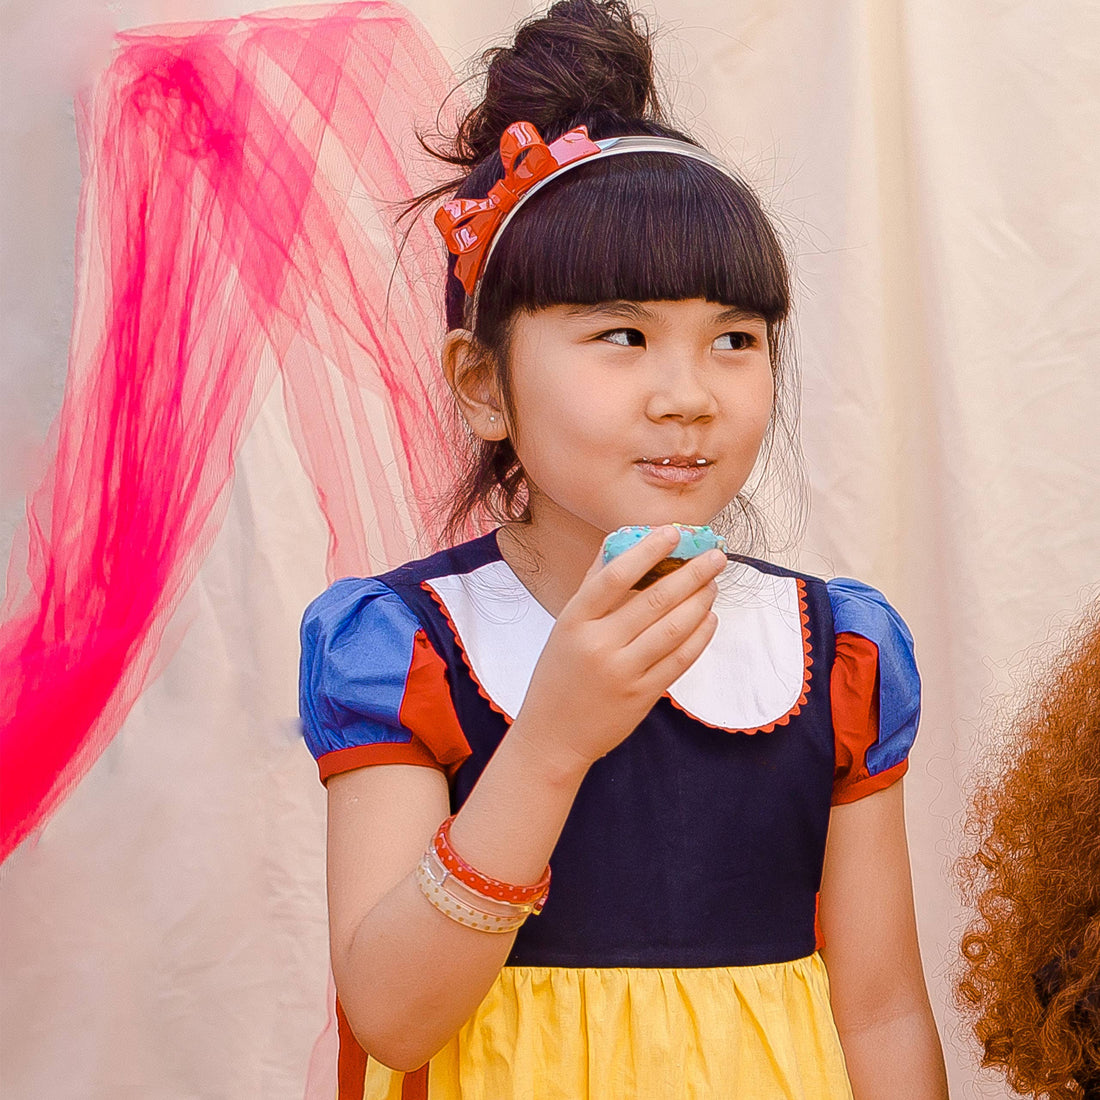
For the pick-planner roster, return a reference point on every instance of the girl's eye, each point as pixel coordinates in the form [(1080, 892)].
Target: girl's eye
[(734, 341), (624, 337)]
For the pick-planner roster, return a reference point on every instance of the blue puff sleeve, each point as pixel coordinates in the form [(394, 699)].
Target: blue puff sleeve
[(875, 690), (372, 690)]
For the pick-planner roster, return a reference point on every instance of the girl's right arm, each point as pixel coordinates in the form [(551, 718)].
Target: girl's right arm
[(408, 976)]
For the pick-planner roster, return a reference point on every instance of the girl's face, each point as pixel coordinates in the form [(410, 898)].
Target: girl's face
[(638, 412)]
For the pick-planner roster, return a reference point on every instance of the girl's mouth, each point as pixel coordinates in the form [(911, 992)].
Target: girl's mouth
[(675, 469)]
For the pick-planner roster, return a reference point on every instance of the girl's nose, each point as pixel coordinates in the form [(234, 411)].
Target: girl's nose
[(680, 392)]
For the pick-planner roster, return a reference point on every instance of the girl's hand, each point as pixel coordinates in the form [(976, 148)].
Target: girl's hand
[(614, 651)]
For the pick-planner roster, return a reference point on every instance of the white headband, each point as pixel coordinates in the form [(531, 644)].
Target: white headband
[(472, 228), (609, 147)]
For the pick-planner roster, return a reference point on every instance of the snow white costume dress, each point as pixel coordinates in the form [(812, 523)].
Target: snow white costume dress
[(677, 952)]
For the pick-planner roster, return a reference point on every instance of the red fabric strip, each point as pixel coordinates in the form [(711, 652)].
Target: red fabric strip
[(427, 708), (383, 752), (870, 784), (352, 1064), (415, 1084)]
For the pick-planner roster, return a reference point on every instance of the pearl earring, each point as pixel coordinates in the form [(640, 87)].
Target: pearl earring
[(492, 419)]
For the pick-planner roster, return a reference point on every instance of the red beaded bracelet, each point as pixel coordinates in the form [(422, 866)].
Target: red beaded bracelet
[(533, 895)]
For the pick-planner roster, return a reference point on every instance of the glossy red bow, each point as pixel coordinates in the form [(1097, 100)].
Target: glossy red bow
[(469, 225)]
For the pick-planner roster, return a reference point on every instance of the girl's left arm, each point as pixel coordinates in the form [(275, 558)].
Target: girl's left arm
[(880, 1002)]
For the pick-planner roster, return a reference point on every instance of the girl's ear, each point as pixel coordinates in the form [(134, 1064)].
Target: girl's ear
[(469, 372)]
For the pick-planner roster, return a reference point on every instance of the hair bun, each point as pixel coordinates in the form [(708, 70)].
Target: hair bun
[(582, 60)]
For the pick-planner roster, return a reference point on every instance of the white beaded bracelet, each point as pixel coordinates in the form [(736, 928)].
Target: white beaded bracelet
[(481, 913)]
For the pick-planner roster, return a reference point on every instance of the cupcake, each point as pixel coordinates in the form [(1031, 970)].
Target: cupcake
[(693, 542)]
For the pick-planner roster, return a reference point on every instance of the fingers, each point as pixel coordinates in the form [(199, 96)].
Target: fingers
[(675, 663), (657, 601), (605, 587), (672, 629)]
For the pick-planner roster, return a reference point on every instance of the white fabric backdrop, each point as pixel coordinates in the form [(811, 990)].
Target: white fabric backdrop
[(937, 168)]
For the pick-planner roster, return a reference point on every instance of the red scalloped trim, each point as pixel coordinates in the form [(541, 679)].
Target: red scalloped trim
[(462, 650), (803, 610)]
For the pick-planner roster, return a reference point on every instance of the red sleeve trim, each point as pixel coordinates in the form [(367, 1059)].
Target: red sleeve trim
[(427, 712), (383, 752), (853, 792)]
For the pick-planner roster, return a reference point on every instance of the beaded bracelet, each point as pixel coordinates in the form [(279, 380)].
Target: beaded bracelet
[(431, 877), (468, 897), (533, 895)]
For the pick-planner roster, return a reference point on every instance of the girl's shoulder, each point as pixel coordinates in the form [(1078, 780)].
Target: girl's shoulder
[(847, 595), (858, 608), (372, 685), (876, 690), (373, 601), (466, 557), (855, 606), (874, 682)]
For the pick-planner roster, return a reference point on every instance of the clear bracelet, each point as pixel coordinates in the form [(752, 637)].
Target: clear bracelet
[(432, 878), (467, 895)]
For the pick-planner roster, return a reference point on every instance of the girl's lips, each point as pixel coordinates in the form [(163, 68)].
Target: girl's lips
[(672, 474)]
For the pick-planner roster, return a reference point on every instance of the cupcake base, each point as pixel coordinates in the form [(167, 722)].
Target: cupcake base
[(661, 569)]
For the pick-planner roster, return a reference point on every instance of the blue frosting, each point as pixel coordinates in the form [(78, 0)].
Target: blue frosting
[(693, 541)]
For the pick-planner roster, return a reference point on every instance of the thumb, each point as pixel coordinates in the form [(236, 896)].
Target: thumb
[(597, 564)]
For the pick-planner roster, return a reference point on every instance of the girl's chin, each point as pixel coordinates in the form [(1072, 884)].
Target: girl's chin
[(630, 510), (695, 513), (689, 517)]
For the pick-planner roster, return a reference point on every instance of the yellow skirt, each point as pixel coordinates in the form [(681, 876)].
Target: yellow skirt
[(552, 1033)]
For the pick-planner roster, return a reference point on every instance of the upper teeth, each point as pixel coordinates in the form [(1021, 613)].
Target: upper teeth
[(668, 461)]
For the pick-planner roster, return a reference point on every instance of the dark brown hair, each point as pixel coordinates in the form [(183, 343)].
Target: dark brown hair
[(1030, 983), (644, 227)]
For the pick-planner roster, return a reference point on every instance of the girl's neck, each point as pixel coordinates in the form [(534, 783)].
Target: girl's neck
[(550, 555)]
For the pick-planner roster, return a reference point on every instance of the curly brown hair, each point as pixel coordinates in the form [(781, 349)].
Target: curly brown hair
[(1030, 980)]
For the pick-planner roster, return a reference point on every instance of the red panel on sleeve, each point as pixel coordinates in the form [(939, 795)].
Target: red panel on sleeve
[(426, 712), (854, 691), (427, 709)]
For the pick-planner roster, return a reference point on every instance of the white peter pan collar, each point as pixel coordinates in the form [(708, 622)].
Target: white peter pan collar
[(753, 675)]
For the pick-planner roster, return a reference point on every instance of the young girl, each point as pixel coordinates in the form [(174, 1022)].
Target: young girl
[(699, 762), (1031, 981)]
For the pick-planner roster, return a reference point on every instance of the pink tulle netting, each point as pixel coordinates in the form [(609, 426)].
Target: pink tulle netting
[(237, 224)]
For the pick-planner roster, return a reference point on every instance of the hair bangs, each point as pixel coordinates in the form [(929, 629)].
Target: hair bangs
[(638, 227)]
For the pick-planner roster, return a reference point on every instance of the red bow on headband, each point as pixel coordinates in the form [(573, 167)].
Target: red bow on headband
[(469, 225)]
